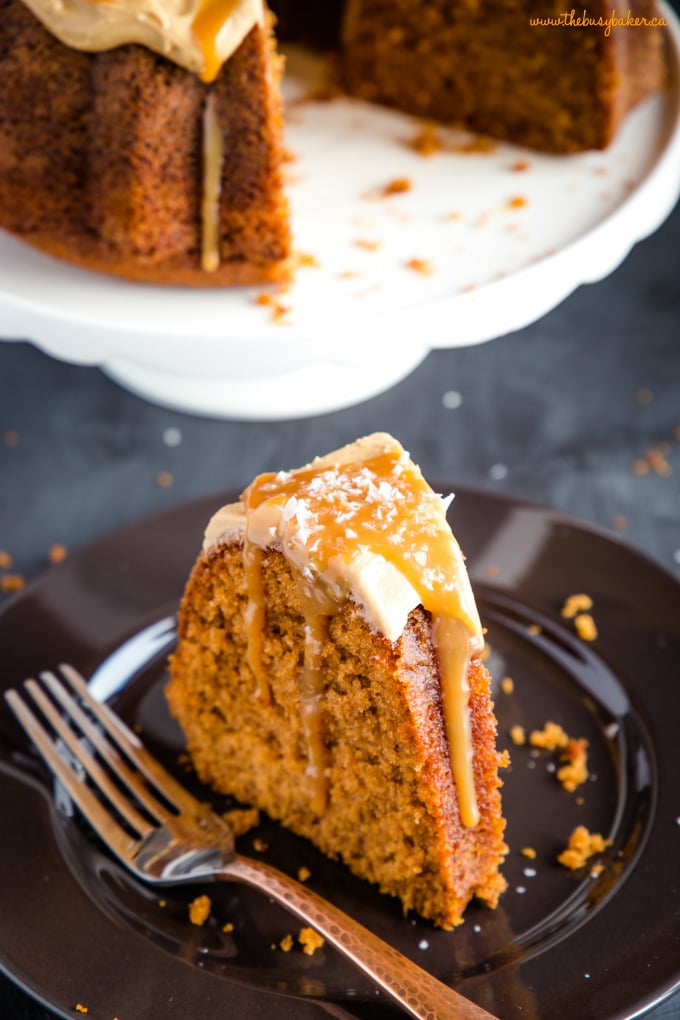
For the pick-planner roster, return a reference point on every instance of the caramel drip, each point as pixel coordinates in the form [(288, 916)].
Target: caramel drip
[(327, 516), (213, 155), (454, 651), (255, 617), (208, 22), (312, 686)]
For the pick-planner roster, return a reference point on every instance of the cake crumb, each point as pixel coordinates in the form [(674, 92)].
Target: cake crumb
[(517, 202), (640, 467), (228, 927), (199, 910), (585, 627), (164, 479), (550, 738), (242, 820), (303, 874), (79, 1008), (656, 459), (310, 941), (581, 846), (303, 260), (278, 312), (575, 771), (286, 943), (367, 244), (6, 560), (507, 685), (260, 846), (521, 166), (528, 851), (397, 186), (57, 553), (596, 870), (422, 266), (575, 604), (12, 582), (518, 735), (427, 141), (534, 628)]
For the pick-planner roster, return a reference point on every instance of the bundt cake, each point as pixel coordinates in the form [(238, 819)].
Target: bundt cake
[(143, 137), (328, 671), (127, 162)]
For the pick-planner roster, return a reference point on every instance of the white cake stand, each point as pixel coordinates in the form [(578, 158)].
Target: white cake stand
[(481, 244)]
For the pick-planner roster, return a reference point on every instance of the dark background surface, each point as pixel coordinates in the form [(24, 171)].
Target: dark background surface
[(563, 412)]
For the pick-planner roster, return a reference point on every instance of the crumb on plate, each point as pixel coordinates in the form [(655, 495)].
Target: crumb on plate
[(199, 910), (310, 941), (550, 738), (581, 846)]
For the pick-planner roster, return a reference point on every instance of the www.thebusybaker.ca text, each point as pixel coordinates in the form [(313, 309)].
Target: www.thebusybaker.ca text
[(570, 19)]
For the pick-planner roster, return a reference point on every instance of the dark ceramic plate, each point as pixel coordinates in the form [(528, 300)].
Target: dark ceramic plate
[(76, 928)]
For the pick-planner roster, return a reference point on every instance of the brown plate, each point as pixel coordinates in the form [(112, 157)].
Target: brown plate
[(75, 927)]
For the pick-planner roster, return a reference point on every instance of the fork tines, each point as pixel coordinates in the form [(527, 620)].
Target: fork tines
[(106, 754)]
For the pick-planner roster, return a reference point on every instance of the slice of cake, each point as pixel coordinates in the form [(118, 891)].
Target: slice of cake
[(329, 672)]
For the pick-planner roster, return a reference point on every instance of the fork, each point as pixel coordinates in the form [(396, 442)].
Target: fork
[(165, 836)]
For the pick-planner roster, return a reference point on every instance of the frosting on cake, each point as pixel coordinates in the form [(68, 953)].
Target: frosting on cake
[(362, 523), (199, 35)]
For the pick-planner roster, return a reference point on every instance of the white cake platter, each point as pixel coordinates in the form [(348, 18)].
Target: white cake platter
[(480, 242)]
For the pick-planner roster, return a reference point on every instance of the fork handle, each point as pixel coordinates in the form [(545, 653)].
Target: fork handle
[(414, 989)]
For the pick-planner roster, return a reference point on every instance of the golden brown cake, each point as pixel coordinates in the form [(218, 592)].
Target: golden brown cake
[(522, 70), (143, 137), (328, 672)]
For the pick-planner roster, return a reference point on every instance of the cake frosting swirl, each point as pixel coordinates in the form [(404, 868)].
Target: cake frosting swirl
[(199, 35)]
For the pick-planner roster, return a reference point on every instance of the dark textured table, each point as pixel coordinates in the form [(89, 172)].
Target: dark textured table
[(580, 411)]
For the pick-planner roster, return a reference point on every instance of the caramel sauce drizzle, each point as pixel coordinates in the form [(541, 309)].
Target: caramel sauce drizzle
[(209, 20), (213, 156), (382, 504), (255, 618)]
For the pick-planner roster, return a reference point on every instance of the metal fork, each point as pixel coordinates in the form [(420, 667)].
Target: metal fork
[(165, 836)]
